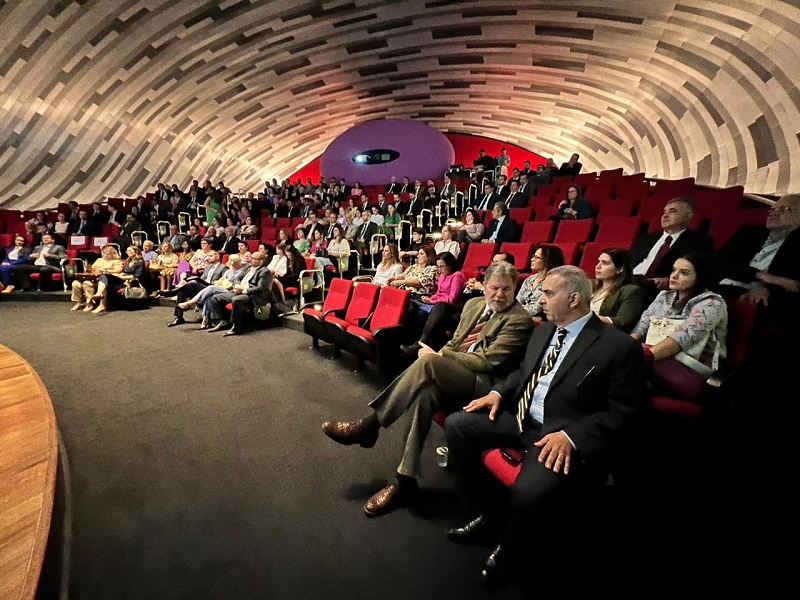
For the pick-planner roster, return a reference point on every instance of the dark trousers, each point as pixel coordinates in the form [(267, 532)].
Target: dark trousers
[(440, 320), (22, 274), (184, 293), (240, 303), (537, 493)]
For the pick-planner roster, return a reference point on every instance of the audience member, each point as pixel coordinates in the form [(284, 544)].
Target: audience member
[(111, 281), (616, 300), (545, 257), (417, 242), (684, 328), (390, 266), (419, 278), (487, 344), (212, 272), (654, 254), (472, 230), (148, 251), (448, 242), (573, 206), (253, 292), (573, 404), (92, 287), (571, 167), (502, 228), (18, 254), (166, 267), (249, 230)]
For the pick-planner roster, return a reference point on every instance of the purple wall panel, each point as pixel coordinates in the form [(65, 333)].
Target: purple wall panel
[(425, 152)]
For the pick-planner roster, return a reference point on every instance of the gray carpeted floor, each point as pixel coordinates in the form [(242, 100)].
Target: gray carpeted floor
[(199, 469)]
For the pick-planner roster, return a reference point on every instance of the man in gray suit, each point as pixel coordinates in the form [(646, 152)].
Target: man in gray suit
[(45, 260), (487, 344), (254, 292)]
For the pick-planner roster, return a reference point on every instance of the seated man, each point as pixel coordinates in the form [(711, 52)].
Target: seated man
[(255, 292), (579, 393), (502, 228), (45, 260), (486, 345)]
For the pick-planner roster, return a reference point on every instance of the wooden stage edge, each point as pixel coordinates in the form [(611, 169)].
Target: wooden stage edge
[(28, 463)]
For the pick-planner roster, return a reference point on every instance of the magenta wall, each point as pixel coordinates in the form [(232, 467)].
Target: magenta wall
[(425, 152)]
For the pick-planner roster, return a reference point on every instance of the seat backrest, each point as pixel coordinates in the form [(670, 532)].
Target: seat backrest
[(478, 255), (522, 252), (741, 320), (338, 294), (621, 231), (589, 255), (521, 215), (617, 207), (673, 188), (708, 201), (537, 231), (390, 309), (362, 302), (570, 250), (574, 231)]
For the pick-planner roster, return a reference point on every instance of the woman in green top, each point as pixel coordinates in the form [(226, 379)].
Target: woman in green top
[(390, 222), (213, 206), (301, 243)]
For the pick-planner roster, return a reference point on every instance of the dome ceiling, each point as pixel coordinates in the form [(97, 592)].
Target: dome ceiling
[(105, 98)]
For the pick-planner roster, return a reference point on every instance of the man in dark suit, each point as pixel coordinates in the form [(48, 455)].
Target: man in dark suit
[(502, 228), (526, 188), (313, 223), (364, 233), (393, 187), (406, 188), (254, 292), (760, 263), (501, 189), (383, 205), (412, 209), (515, 198), (486, 345), (571, 167), (653, 254), (489, 198), (448, 189), (576, 399), (83, 225), (231, 244)]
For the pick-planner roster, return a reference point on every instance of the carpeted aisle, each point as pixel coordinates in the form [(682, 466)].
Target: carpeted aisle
[(199, 469)]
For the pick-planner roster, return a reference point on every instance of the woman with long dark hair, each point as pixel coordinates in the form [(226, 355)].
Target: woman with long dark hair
[(616, 300)]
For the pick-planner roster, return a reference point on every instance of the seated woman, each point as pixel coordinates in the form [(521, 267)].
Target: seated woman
[(433, 314), (408, 255), (472, 230), (244, 252), (545, 257), (285, 236), (111, 282), (448, 242), (233, 276), (338, 250), (295, 263), (616, 299), (14, 255), (318, 243), (419, 278), (194, 264), (391, 222), (249, 230), (93, 286), (573, 206), (389, 267), (166, 266), (684, 328), (302, 243)]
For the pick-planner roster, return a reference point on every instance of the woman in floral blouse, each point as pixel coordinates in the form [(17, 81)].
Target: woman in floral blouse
[(544, 258), (687, 357), (419, 278)]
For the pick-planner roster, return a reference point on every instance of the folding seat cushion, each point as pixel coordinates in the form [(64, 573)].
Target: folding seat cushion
[(478, 256)]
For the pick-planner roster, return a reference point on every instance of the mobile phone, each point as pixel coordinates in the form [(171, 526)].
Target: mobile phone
[(510, 458)]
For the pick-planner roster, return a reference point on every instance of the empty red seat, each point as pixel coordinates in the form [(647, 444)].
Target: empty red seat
[(479, 256), (359, 308), (522, 252), (618, 231), (537, 231), (336, 302), (576, 231)]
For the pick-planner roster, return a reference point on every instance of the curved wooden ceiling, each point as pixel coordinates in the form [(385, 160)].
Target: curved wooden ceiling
[(107, 97)]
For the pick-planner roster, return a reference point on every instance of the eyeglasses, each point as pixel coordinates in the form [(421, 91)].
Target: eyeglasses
[(782, 209)]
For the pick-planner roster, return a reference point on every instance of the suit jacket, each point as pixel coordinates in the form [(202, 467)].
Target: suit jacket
[(447, 191), (372, 229), (414, 207), (499, 346), (507, 233), (516, 200), (231, 245), (89, 227), (213, 272), (57, 254), (20, 260), (598, 391), (482, 203), (393, 188), (689, 241), (567, 170), (624, 306), (217, 242), (260, 286), (310, 230)]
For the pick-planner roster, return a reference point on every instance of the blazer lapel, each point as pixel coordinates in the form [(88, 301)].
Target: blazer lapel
[(472, 319), (584, 340)]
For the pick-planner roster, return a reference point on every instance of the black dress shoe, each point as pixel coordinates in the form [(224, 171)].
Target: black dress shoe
[(495, 570), (222, 325), (411, 349), (177, 321), (469, 531), (363, 432)]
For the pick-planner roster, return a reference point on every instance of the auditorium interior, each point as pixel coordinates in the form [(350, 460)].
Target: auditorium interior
[(146, 455)]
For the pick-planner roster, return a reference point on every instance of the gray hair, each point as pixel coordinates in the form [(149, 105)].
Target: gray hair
[(501, 206), (502, 269), (575, 280), (685, 200)]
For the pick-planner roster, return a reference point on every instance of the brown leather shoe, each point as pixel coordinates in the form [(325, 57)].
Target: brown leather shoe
[(391, 497), (363, 432)]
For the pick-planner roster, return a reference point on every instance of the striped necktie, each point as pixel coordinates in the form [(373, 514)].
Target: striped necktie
[(473, 335), (544, 369)]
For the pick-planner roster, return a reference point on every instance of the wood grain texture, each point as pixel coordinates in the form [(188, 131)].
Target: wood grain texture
[(28, 461)]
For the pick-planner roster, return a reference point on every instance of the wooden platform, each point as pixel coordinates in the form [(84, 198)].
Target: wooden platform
[(28, 461)]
